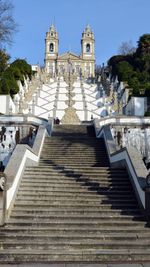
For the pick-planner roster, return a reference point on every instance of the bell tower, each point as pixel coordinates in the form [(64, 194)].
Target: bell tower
[(51, 50), (88, 51)]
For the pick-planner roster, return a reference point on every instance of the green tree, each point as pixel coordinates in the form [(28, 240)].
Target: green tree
[(4, 57), (135, 85), (113, 63), (16, 73), (23, 66), (125, 71), (143, 45), (135, 68), (4, 87), (10, 82)]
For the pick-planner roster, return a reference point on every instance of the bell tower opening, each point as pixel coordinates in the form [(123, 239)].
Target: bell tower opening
[(51, 47), (87, 48)]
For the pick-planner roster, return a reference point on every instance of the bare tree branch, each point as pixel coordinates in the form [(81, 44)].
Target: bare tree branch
[(126, 48), (7, 24)]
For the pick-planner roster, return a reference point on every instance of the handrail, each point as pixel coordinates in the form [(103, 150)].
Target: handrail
[(123, 120), (131, 160), (23, 118), (22, 156)]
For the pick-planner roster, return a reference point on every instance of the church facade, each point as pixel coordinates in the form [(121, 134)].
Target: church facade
[(70, 63)]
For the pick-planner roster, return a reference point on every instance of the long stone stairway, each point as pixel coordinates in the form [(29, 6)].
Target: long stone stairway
[(73, 207)]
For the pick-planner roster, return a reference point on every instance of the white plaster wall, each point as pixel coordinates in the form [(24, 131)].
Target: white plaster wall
[(135, 106), (77, 90), (80, 114), (61, 105), (89, 98), (76, 84), (6, 104), (63, 84), (41, 101), (51, 91), (43, 94), (63, 90), (139, 108), (45, 114), (47, 97), (39, 111), (90, 106), (60, 113), (51, 98), (78, 105), (53, 85), (77, 97), (49, 106), (62, 97)]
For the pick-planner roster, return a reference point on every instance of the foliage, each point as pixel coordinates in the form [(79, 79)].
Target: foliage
[(147, 114), (7, 23), (8, 83), (134, 68), (113, 63), (9, 75), (23, 66), (3, 60), (143, 45), (4, 87), (16, 73), (124, 70)]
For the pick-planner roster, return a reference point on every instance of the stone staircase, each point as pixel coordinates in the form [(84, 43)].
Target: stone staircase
[(73, 207)]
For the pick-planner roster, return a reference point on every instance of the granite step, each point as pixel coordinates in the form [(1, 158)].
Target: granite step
[(74, 208), (59, 211), (71, 256), (75, 245), (72, 180)]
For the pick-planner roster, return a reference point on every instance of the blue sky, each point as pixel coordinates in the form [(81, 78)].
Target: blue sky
[(113, 22)]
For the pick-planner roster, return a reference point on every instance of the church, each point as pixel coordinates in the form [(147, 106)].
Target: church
[(70, 63)]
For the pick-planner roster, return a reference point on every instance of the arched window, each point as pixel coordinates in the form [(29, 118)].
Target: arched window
[(51, 47), (88, 48)]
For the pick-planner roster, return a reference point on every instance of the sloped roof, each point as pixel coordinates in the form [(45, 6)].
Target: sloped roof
[(69, 55)]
